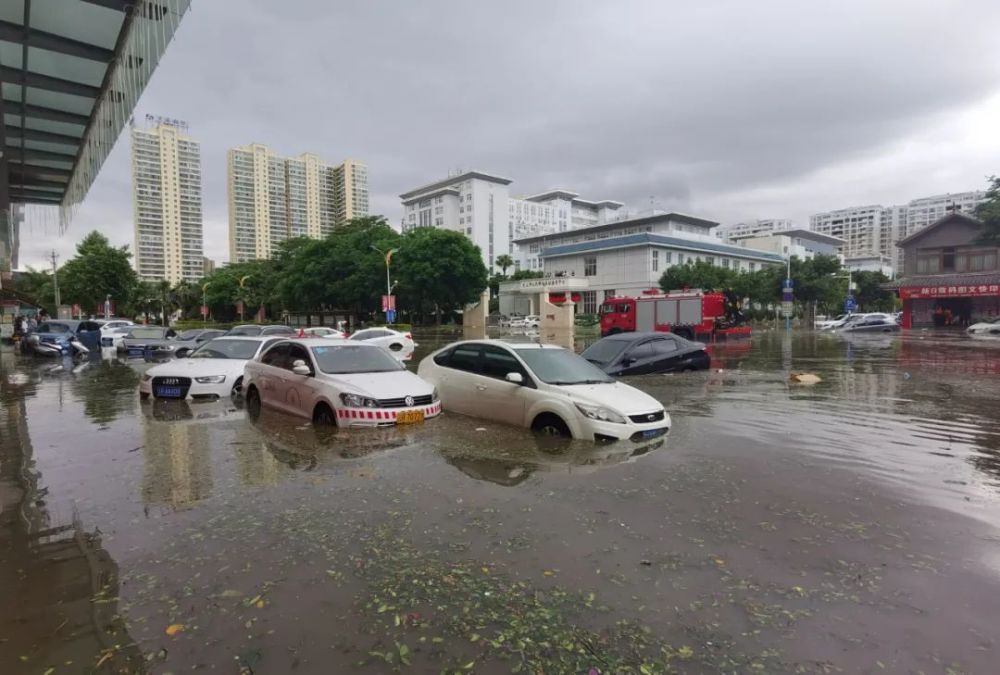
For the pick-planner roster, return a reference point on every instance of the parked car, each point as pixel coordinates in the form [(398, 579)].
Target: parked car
[(213, 370), (827, 323), (643, 353), (546, 388), (64, 337), (195, 337), (870, 323), (325, 331), (532, 321), (252, 329), (351, 384), (400, 344), (108, 326), (985, 329), (139, 339), (518, 322), (113, 338), (507, 321)]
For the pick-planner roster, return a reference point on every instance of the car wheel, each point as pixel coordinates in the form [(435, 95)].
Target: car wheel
[(237, 387), (323, 416), (182, 353), (548, 424), (253, 402)]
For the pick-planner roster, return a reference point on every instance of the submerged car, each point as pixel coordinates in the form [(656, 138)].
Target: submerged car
[(325, 331), (644, 353), (985, 329), (64, 337), (338, 382), (400, 344), (213, 370), (143, 341), (546, 388), (870, 323)]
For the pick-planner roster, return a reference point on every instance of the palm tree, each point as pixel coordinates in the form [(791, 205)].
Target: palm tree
[(503, 262)]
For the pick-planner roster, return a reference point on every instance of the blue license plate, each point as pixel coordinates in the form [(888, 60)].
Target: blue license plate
[(135, 352), (652, 433), (168, 392)]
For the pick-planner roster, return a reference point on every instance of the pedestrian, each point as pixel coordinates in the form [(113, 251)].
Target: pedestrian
[(31, 326), (18, 326)]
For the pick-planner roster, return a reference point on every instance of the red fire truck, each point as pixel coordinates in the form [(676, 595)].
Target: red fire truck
[(690, 314)]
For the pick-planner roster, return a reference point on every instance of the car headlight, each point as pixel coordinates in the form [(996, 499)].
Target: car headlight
[(210, 379), (146, 377), (358, 401), (166, 348), (596, 412)]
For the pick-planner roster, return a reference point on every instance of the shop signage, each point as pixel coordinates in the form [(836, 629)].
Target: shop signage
[(975, 290)]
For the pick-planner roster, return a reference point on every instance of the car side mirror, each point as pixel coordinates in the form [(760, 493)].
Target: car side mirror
[(516, 378), (299, 367), (628, 361)]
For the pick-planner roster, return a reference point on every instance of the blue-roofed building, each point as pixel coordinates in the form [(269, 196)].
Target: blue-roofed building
[(629, 256)]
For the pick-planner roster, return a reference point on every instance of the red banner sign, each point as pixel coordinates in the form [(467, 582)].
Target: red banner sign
[(204, 310), (388, 302), (966, 291)]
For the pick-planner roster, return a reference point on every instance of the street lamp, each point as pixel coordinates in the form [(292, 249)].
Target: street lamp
[(388, 285), (243, 300)]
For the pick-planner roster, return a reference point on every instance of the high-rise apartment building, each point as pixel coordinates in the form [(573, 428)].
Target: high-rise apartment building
[(273, 198), (166, 187), (872, 231), (479, 205)]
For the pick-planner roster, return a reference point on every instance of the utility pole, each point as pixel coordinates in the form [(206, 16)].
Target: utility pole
[(55, 280)]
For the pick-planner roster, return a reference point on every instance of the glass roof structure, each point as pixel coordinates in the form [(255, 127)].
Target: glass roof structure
[(71, 72)]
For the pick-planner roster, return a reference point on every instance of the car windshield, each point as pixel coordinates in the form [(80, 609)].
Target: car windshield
[(604, 351), (559, 366), (189, 335), (56, 328), (341, 360), (226, 349), (277, 330), (245, 330), (147, 332)]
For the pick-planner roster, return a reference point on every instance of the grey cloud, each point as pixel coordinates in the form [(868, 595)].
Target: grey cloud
[(626, 100)]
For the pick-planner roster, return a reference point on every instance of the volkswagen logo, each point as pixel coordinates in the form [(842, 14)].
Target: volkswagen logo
[(170, 380), (408, 401)]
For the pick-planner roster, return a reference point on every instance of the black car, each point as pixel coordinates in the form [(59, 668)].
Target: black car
[(643, 353)]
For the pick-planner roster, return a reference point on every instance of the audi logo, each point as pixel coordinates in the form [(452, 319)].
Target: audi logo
[(408, 400), (170, 380)]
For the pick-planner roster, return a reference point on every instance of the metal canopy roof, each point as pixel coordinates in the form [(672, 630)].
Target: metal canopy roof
[(71, 72)]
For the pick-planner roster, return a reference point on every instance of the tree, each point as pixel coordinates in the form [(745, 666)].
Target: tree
[(503, 261), (989, 212), (38, 286), (96, 271), (701, 275), (439, 270), (869, 293)]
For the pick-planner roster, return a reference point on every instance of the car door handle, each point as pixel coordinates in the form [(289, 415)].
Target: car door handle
[(481, 387)]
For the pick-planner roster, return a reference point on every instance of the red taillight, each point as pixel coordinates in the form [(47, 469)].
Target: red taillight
[(407, 336)]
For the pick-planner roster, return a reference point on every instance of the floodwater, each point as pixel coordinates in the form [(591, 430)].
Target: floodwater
[(845, 526)]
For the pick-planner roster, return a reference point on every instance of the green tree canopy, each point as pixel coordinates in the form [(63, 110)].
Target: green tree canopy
[(439, 270), (504, 262), (38, 286), (697, 275), (989, 212), (96, 271)]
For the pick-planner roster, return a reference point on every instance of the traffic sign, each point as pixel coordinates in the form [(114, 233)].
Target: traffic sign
[(390, 316), (786, 309), (850, 304)]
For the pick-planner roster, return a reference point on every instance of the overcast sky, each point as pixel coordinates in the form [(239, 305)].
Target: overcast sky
[(724, 109)]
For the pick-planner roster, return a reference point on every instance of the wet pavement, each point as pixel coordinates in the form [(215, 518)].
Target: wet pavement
[(844, 526)]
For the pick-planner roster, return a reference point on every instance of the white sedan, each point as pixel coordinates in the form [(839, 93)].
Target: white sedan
[(325, 331), (543, 387), (339, 382), (213, 370), (400, 344), (985, 329)]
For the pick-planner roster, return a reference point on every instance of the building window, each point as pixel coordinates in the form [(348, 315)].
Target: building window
[(610, 293), (710, 259), (753, 266), (680, 258), (656, 260), (590, 266), (725, 263), (590, 302)]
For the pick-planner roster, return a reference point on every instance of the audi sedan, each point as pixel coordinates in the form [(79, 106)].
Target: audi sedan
[(213, 370), (338, 382), (546, 388)]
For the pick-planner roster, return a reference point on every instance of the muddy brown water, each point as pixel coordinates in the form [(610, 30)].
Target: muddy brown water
[(845, 526)]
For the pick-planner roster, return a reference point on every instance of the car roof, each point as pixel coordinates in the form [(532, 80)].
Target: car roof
[(631, 337), (255, 338), (513, 344)]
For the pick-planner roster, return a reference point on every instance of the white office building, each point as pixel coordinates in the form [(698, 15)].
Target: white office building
[(873, 230), (794, 243), (871, 263), (752, 228), (480, 206), (627, 257), (166, 191)]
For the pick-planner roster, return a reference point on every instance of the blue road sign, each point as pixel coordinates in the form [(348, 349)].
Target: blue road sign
[(850, 304), (390, 316)]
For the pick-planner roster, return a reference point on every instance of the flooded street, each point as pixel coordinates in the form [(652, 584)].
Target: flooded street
[(849, 525)]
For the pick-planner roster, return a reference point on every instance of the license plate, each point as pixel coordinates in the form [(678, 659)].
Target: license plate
[(135, 352), (652, 433), (410, 417), (168, 392)]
